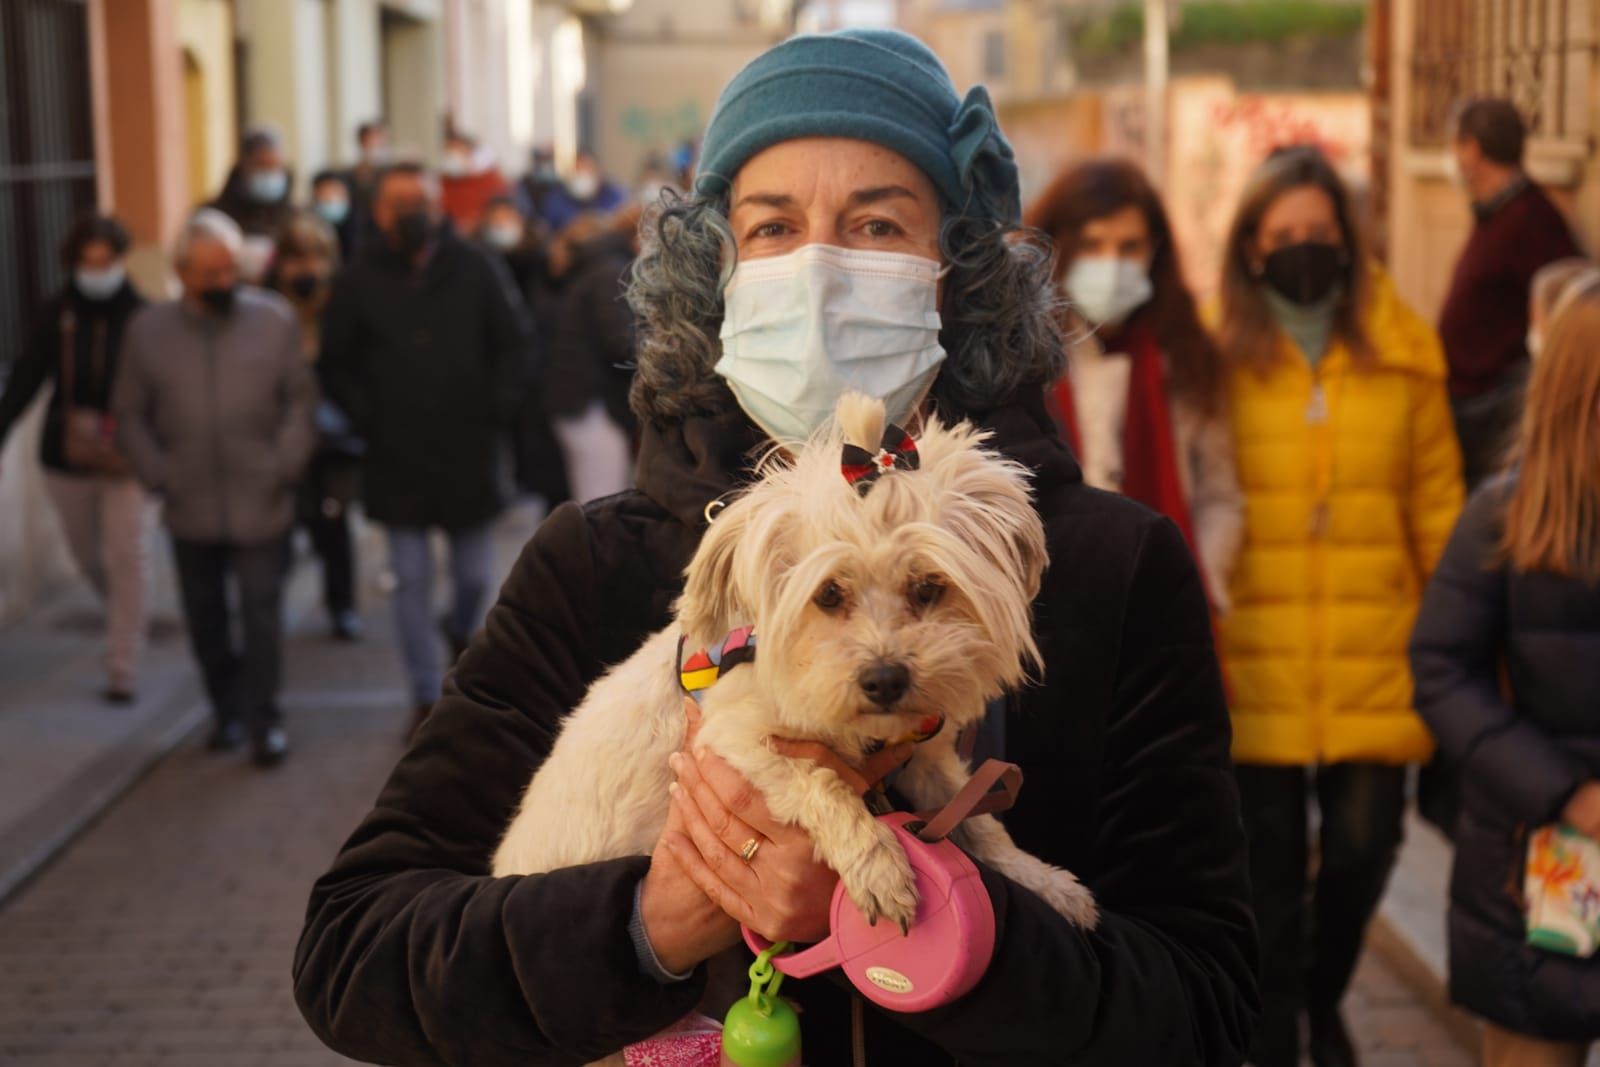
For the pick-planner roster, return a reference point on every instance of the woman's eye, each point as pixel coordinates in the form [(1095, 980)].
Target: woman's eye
[(925, 592), (829, 597), (881, 228), (769, 229)]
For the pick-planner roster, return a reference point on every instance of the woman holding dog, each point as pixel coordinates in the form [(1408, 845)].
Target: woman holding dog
[(827, 158), (1352, 480), (1141, 403)]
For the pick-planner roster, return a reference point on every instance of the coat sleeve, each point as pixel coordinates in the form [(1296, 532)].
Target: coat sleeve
[(133, 404), (1455, 661), (1436, 491), (1218, 507), (341, 355), (297, 435), (510, 340), (1168, 976), (412, 953)]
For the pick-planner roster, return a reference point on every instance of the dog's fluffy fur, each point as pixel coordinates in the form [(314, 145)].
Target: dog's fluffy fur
[(934, 569)]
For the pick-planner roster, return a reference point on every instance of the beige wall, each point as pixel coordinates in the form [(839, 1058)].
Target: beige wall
[(205, 35)]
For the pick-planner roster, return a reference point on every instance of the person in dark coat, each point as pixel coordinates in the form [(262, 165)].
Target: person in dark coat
[(591, 361), (256, 197), (424, 345), (1506, 655), (1484, 321), (412, 953), (505, 232), (76, 348)]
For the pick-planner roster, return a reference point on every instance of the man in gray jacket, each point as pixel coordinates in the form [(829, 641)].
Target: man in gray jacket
[(214, 407)]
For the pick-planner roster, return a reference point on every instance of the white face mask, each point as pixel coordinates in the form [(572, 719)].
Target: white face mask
[(1107, 289), (583, 185), (101, 284), (800, 329)]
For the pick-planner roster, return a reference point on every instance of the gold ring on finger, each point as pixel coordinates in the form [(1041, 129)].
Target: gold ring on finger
[(748, 851)]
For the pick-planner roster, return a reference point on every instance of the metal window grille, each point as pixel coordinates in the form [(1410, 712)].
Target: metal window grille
[(1536, 53), (47, 176)]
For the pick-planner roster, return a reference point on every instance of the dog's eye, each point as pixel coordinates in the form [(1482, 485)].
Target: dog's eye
[(829, 597), (925, 592)]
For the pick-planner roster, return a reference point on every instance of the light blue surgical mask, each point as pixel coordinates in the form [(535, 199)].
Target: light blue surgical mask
[(99, 284), (799, 330), (333, 210), (267, 186)]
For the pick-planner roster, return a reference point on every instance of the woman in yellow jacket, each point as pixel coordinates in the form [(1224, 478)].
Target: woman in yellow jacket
[(1352, 482)]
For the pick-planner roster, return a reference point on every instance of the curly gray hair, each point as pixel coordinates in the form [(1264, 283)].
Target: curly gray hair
[(1001, 311)]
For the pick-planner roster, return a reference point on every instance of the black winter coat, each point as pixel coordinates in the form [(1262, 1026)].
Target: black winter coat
[(591, 351), (98, 329), (430, 364), (1519, 759), (412, 954)]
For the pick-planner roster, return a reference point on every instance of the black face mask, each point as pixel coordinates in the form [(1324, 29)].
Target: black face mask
[(1304, 273), (219, 301), (304, 286), (411, 232)]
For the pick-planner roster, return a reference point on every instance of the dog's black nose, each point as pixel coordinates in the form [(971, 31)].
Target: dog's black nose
[(884, 683)]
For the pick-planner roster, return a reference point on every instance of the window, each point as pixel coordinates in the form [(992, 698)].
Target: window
[(994, 55), (1536, 53)]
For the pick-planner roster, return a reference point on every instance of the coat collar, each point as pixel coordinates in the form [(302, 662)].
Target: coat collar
[(686, 464)]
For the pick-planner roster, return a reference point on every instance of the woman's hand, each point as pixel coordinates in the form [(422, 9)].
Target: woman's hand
[(1582, 812), (782, 892)]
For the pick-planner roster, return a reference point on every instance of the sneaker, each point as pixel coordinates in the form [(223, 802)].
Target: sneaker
[(225, 736), (347, 625), (270, 748)]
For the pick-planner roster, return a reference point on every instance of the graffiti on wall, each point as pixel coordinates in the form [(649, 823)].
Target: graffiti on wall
[(659, 126)]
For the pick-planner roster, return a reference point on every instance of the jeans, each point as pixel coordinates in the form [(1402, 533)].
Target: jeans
[(105, 523), (471, 555), (1361, 806), (241, 682), (599, 462)]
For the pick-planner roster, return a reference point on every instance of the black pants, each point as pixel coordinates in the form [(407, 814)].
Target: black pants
[(1361, 806), (241, 682), (323, 508)]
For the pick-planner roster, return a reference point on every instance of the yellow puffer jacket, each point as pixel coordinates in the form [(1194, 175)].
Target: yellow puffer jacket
[(1352, 482)]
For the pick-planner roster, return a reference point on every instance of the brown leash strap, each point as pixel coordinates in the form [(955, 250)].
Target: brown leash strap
[(993, 787)]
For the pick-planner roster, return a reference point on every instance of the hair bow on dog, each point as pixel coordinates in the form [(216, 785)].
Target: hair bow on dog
[(861, 468)]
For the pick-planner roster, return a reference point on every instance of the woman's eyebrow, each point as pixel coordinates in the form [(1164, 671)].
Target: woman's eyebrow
[(777, 200), (863, 197)]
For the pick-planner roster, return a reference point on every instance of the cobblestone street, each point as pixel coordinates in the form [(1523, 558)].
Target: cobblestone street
[(163, 935)]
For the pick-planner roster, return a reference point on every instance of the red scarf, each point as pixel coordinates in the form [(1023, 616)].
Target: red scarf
[(1149, 448)]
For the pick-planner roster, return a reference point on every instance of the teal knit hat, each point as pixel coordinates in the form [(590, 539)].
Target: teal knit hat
[(882, 86)]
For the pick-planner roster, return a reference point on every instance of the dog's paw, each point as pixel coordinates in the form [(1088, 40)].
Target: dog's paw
[(1070, 898), (881, 883)]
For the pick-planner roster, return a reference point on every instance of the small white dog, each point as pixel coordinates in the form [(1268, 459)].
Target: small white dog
[(874, 612)]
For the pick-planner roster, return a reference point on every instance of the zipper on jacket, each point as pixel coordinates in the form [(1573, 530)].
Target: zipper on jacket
[(212, 374)]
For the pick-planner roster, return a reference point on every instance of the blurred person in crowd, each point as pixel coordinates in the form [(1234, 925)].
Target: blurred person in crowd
[(332, 201), (1484, 322), (1506, 654), (412, 952), (306, 260), (592, 356), (1352, 480), (214, 404), (372, 155), (535, 187), (256, 196), (540, 466), (425, 345), (1550, 285), (1141, 403), (655, 178), (77, 347), (586, 190), (469, 180)]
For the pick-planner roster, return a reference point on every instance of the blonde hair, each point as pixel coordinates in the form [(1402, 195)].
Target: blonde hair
[(1247, 333), (1551, 281), (1552, 514)]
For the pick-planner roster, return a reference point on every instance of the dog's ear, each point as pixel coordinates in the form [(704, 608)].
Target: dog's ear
[(710, 605)]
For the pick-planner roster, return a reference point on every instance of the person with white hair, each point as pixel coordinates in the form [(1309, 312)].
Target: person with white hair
[(214, 412)]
